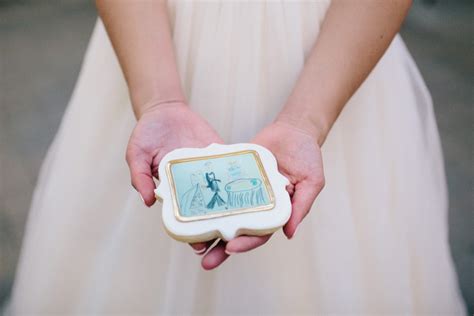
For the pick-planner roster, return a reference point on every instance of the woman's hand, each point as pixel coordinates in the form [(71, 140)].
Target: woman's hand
[(159, 130), (299, 159)]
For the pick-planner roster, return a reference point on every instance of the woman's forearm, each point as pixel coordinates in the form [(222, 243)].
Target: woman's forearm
[(141, 37), (353, 37)]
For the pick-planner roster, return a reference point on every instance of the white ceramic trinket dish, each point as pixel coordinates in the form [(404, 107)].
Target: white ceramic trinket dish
[(222, 191)]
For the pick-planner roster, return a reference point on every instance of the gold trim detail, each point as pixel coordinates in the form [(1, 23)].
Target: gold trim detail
[(263, 174)]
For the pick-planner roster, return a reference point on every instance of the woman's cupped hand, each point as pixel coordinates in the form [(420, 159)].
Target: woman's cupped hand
[(299, 159), (159, 130)]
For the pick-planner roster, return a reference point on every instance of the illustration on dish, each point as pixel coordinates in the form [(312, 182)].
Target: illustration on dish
[(220, 185)]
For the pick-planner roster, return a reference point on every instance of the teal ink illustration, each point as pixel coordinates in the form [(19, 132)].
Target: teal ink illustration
[(245, 192), (198, 183), (212, 184)]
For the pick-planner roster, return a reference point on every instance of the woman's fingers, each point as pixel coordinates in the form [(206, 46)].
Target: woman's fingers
[(219, 251), (303, 198), (200, 247), (215, 256), (245, 243), (142, 179)]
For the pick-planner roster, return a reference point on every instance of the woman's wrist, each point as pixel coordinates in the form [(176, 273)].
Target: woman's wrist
[(306, 123), (155, 104)]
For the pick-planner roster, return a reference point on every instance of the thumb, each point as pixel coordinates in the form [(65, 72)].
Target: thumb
[(142, 178)]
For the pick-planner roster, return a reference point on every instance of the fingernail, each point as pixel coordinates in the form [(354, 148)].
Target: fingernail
[(229, 253), (200, 251), (296, 230), (141, 197)]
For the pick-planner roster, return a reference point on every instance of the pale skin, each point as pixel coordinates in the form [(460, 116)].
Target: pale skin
[(353, 37)]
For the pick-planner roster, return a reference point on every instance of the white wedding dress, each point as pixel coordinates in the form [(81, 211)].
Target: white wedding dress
[(375, 242)]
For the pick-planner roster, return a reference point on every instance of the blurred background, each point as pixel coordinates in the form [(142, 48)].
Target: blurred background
[(42, 44)]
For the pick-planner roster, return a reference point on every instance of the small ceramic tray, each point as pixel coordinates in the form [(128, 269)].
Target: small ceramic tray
[(222, 191)]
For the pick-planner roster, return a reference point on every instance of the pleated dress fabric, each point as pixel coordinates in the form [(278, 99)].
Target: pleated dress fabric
[(374, 243)]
